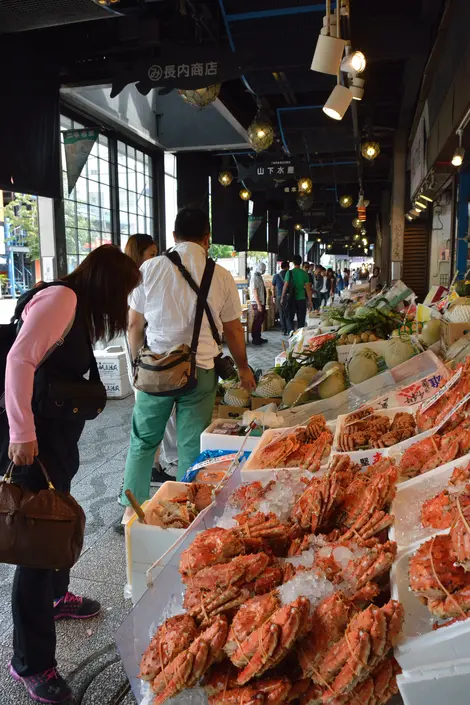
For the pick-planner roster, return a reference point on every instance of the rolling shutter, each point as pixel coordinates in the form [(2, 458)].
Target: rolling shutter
[(416, 259)]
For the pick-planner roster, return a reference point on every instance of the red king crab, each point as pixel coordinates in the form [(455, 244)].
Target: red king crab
[(437, 412), (269, 643), (366, 642), (314, 508), (436, 578), (435, 450), (375, 431), (440, 511), (460, 530), (304, 448), (185, 669), (268, 691), (171, 638)]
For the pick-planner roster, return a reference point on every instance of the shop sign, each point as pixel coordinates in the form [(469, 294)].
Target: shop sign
[(271, 171), (417, 159), (254, 221), (182, 67), (78, 145)]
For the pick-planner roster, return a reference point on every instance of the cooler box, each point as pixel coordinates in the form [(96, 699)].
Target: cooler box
[(112, 366)]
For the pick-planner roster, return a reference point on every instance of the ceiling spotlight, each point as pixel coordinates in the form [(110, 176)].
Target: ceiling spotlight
[(357, 88), (201, 97), (370, 150), (345, 201), (356, 223), (305, 185), (260, 134), (225, 178), (354, 61), (298, 226), (328, 54), (244, 194), (338, 102)]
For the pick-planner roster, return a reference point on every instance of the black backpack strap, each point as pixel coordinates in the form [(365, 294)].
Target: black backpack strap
[(201, 302), (176, 260)]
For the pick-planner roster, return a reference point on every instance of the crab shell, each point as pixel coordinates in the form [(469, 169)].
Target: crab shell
[(433, 566), (210, 547)]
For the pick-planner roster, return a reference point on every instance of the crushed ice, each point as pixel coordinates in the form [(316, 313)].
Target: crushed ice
[(306, 584)]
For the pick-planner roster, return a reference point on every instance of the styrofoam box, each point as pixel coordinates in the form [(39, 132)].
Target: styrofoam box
[(215, 441), (419, 644), (146, 544), (410, 497), (358, 456), (112, 363), (252, 464), (448, 683), (118, 388)]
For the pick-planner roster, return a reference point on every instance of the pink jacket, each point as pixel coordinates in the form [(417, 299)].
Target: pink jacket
[(45, 318)]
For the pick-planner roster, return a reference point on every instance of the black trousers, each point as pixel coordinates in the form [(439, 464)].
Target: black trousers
[(301, 312), (34, 590), (258, 319)]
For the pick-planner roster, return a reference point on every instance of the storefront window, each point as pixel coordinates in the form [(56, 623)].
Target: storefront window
[(87, 209), (171, 203), (135, 192)]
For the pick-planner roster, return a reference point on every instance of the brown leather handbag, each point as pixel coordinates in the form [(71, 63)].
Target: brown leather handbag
[(39, 529)]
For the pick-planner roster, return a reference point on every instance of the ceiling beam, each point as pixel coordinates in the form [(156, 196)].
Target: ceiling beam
[(278, 12)]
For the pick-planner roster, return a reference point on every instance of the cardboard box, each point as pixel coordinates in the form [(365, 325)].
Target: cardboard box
[(451, 332), (230, 412), (257, 402)]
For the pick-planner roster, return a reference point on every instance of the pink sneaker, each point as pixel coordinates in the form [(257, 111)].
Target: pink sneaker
[(46, 687), (72, 606)]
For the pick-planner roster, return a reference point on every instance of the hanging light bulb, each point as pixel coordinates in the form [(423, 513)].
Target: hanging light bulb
[(244, 194), (201, 97), (329, 247), (457, 159), (298, 226), (345, 201), (319, 239), (363, 231), (356, 236), (225, 178), (260, 134), (305, 185), (370, 150), (356, 223), (364, 241)]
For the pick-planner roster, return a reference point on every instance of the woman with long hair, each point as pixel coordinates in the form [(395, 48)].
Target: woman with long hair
[(140, 248), (67, 317)]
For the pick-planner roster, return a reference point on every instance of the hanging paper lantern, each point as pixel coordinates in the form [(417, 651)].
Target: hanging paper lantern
[(201, 97), (356, 223), (370, 150), (244, 194), (225, 178), (260, 134)]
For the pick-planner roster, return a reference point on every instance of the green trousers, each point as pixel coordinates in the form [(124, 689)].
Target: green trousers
[(150, 417)]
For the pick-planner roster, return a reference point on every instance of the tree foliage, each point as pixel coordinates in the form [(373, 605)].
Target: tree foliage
[(220, 251), (22, 216)]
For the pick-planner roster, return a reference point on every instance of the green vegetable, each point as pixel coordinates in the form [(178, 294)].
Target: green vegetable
[(348, 328), (363, 366), (334, 384)]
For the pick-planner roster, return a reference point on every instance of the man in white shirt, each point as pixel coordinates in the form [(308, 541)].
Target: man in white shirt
[(166, 302)]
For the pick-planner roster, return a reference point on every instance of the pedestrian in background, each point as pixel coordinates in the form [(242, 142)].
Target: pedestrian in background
[(278, 285), (258, 303), (301, 292)]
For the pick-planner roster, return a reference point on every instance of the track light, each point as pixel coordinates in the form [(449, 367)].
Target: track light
[(245, 194), (415, 212), (418, 208), (338, 102), (328, 54), (426, 198), (354, 61), (409, 217), (357, 88), (421, 204)]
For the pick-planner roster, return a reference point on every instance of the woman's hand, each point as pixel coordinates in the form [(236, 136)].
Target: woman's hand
[(23, 453)]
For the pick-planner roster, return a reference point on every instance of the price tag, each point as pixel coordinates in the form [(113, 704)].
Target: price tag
[(430, 402)]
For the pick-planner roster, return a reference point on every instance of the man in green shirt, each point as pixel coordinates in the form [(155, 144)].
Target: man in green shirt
[(301, 293)]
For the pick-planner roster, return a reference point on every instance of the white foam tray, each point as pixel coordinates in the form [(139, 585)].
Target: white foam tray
[(448, 683), (253, 465), (215, 441), (420, 645), (410, 497)]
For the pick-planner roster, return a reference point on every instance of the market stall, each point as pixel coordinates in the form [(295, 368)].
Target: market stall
[(327, 562)]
